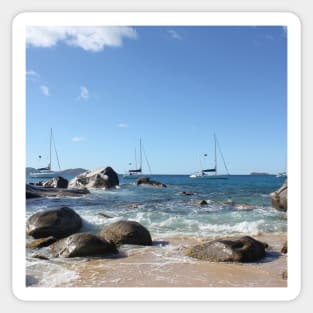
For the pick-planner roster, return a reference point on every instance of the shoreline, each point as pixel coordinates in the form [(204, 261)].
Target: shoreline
[(165, 265)]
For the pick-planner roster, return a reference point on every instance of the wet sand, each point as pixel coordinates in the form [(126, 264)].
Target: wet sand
[(165, 265)]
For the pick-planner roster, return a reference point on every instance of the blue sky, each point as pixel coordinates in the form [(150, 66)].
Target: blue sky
[(102, 88)]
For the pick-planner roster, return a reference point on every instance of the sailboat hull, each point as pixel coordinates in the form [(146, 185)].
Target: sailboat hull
[(209, 176), (44, 174)]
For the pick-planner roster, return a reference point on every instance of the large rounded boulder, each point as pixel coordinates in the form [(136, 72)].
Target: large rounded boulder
[(82, 245), (244, 249), (58, 222), (127, 232), (280, 198), (103, 177)]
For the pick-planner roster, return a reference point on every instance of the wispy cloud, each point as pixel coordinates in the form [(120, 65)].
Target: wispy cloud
[(78, 139), (269, 37), (84, 93), (88, 38), (45, 90), (174, 34), (122, 125), (31, 74)]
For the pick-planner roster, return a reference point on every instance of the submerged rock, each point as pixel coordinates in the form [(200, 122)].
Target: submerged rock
[(186, 193), (103, 177), (127, 232), (81, 245), (59, 223), (280, 198), (244, 249), (147, 181), (33, 191), (104, 215)]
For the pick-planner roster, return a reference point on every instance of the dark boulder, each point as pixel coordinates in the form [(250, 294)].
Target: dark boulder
[(244, 249), (59, 223), (33, 191), (41, 242), (127, 232), (103, 177), (82, 245), (147, 181), (55, 182), (284, 249), (280, 198)]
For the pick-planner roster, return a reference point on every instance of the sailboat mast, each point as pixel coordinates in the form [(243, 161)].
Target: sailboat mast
[(140, 155), (215, 161), (50, 149)]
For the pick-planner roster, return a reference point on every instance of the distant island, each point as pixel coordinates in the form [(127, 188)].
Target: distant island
[(259, 174)]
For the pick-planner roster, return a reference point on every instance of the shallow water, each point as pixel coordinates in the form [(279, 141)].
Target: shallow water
[(168, 215)]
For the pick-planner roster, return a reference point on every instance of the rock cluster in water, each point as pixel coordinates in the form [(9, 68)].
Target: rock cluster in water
[(59, 229), (104, 177), (35, 191)]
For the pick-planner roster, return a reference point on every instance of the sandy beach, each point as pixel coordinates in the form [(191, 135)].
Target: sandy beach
[(164, 265)]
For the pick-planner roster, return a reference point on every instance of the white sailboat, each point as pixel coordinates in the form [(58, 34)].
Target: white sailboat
[(212, 172), (137, 171), (47, 172)]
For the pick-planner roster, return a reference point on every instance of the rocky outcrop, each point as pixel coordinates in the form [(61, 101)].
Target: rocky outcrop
[(147, 181), (280, 197), (244, 249), (82, 245), (103, 177), (126, 232), (33, 191), (55, 182), (59, 223)]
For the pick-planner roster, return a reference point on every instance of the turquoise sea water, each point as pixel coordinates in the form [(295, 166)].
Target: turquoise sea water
[(165, 212)]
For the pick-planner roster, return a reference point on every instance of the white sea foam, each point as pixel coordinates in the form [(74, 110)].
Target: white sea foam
[(252, 228), (50, 274)]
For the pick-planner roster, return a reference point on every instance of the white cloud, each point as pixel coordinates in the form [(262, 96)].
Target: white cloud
[(122, 125), (174, 34), (31, 74), (78, 139), (89, 38), (84, 93), (45, 90)]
